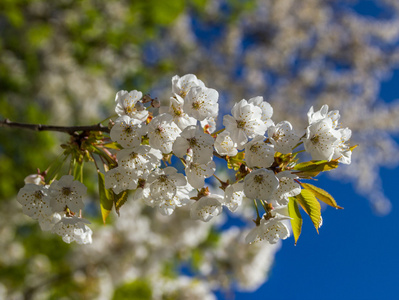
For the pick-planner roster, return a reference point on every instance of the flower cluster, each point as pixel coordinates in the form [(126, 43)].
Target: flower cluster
[(54, 206), (185, 129), (145, 138)]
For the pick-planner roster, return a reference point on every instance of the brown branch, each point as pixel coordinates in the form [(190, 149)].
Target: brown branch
[(67, 129)]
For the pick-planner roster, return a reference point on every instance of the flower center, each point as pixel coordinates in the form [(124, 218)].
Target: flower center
[(163, 178), (315, 139), (66, 191), (241, 124), (38, 195), (258, 178), (128, 129), (196, 105)]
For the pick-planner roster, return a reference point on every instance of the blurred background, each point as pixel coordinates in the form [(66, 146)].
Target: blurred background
[(61, 62)]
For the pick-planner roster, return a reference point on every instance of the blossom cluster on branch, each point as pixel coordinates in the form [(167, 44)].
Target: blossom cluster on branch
[(166, 154)]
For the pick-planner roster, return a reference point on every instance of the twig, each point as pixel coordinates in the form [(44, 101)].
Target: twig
[(67, 129)]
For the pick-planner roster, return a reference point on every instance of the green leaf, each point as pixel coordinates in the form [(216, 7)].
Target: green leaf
[(311, 206), (119, 200), (322, 195), (235, 162), (313, 168), (106, 197), (139, 289), (296, 218)]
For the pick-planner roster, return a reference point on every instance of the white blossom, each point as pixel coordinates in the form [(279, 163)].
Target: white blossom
[(34, 200), (342, 150), (181, 119), (233, 196), (163, 183), (260, 184), (168, 206), (127, 131), (195, 139), (127, 104), (120, 179), (224, 145), (182, 85), (287, 188), (47, 222), (162, 133), (73, 229), (67, 192), (201, 103), (270, 230), (206, 208), (141, 159), (245, 122), (209, 124), (34, 178), (267, 110), (258, 153), (165, 205), (283, 137), (196, 173), (314, 117), (321, 139)]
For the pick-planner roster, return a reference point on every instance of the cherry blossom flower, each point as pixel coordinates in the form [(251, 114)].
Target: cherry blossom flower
[(127, 132), (127, 104), (209, 124), (287, 188), (224, 145), (163, 183), (258, 153), (283, 137), (34, 200), (67, 192), (182, 85), (201, 103), (233, 196), (271, 230), (181, 119), (47, 222), (162, 133), (207, 207), (195, 140), (34, 179), (196, 173), (323, 113), (342, 150), (73, 229), (141, 159), (166, 206), (245, 122), (267, 110), (260, 184), (120, 179), (321, 139)]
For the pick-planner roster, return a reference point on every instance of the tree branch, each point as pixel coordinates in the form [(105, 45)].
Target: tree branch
[(67, 129)]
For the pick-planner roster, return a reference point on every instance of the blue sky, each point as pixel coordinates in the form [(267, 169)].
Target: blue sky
[(355, 256)]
